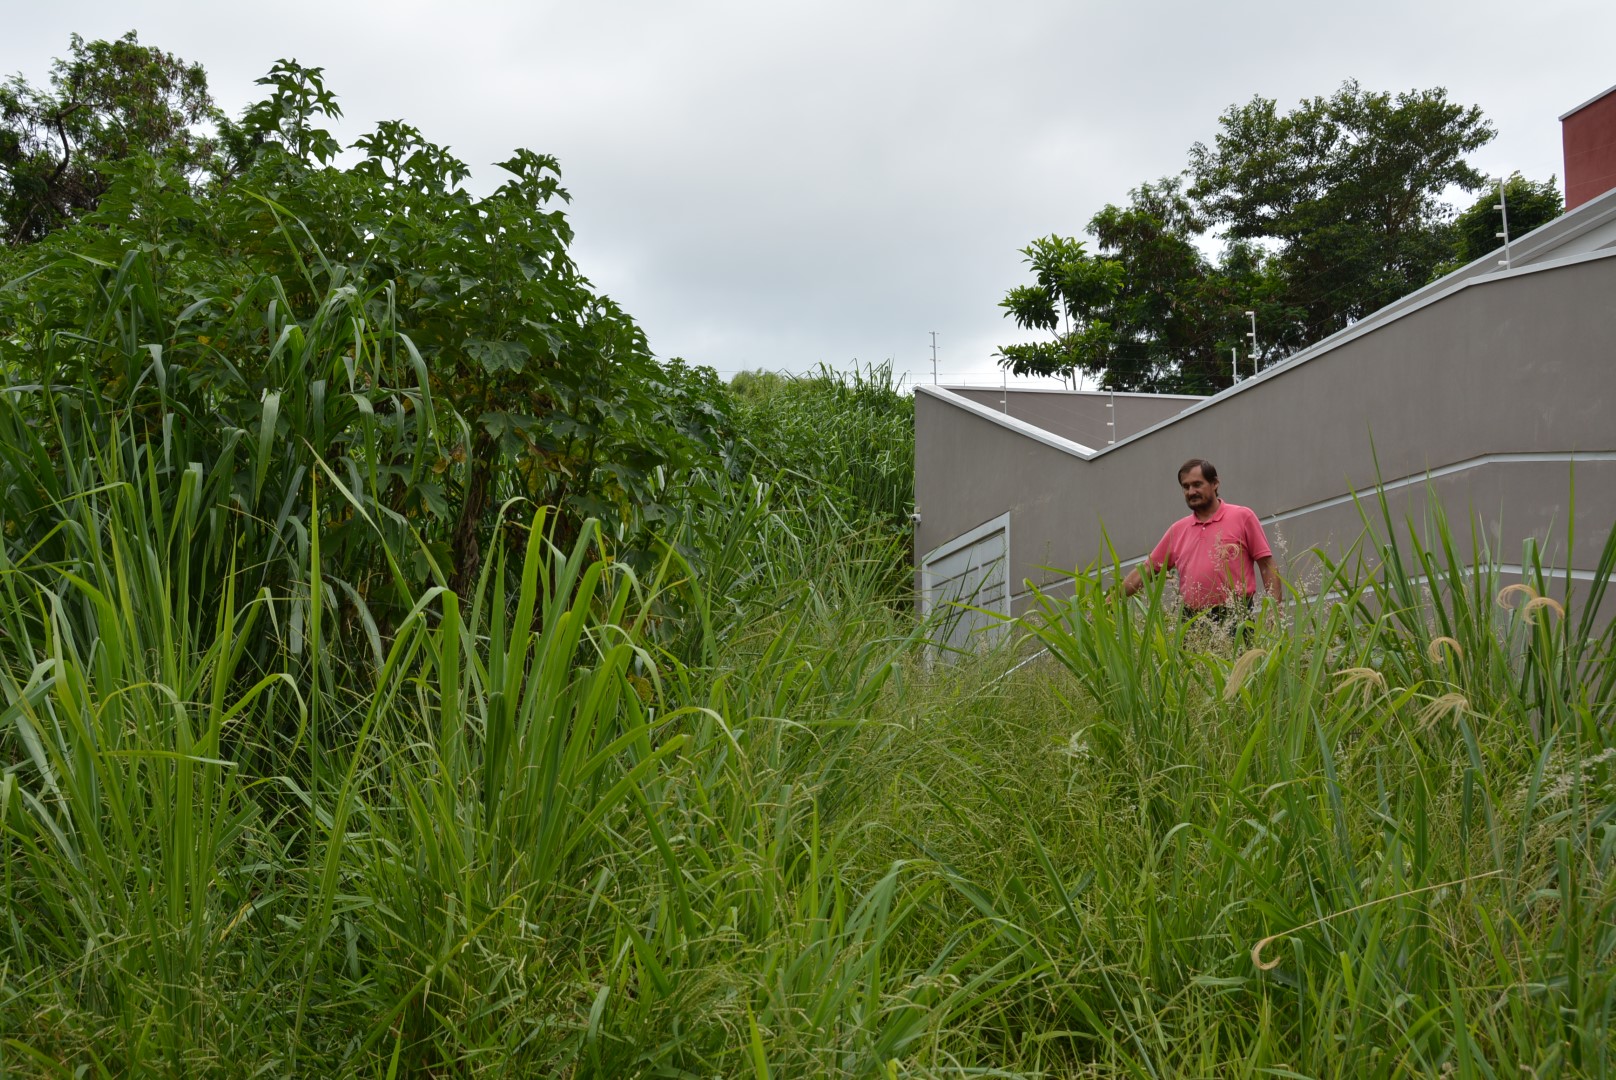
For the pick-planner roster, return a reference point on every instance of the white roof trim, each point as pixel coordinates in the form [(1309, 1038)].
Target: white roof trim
[(1602, 94), (1020, 427), (1084, 393), (1413, 479), (965, 539), (1430, 294), (1553, 573)]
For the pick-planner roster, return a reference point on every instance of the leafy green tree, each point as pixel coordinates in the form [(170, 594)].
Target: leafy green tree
[(1475, 229), (1327, 213), (107, 102), (441, 354), (1346, 189), (1152, 312), (1073, 291), (1253, 280), (1175, 314), (556, 391)]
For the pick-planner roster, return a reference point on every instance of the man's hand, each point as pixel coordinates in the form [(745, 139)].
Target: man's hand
[(1273, 599)]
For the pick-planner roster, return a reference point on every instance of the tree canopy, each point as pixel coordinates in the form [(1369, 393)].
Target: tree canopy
[(1530, 204), (1325, 213), (437, 354), (1071, 297), (108, 101), (1146, 310), (1348, 190)]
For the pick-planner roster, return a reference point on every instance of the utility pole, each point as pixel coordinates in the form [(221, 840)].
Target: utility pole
[(1234, 365), (934, 358), (1252, 315), (1503, 210)]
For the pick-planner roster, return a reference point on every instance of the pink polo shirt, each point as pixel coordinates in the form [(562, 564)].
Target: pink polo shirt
[(1212, 555)]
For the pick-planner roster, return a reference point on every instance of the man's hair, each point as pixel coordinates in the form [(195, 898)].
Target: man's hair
[(1208, 470)]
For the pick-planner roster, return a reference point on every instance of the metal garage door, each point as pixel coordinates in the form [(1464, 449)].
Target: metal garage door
[(968, 570)]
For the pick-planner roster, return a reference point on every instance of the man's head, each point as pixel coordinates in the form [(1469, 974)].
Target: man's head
[(1198, 479)]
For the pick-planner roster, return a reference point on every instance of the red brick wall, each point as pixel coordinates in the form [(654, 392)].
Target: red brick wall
[(1589, 135)]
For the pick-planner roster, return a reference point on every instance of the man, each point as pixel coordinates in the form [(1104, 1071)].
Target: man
[(1218, 550)]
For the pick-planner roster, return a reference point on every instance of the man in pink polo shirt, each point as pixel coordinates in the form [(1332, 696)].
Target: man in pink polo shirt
[(1218, 550)]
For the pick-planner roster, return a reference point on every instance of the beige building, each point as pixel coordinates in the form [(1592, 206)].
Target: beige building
[(1487, 390)]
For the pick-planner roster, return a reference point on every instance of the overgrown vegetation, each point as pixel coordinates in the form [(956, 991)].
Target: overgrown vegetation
[(840, 448), (439, 353), (665, 782)]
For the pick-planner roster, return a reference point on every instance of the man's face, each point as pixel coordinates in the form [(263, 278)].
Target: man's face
[(1199, 495)]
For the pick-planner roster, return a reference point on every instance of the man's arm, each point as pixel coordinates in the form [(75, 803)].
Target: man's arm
[(1270, 577), (1160, 558), (1257, 540)]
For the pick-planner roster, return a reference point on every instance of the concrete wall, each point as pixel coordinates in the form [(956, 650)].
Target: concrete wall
[(1082, 415), (1493, 388)]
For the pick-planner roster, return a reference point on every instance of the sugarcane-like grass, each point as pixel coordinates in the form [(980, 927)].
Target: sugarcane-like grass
[(730, 817)]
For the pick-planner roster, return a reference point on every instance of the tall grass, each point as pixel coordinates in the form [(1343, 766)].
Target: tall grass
[(717, 816), (1380, 841), (838, 450), (528, 838)]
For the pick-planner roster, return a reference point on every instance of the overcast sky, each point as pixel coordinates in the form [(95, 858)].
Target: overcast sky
[(773, 185)]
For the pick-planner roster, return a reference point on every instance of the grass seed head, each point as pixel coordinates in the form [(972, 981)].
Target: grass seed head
[(1450, 704), (1434, 650), (1530, 609), (1507, 594), (1366, 679), (1241, 670)]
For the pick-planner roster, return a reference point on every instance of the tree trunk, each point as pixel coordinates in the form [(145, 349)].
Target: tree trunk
[(479, 478)]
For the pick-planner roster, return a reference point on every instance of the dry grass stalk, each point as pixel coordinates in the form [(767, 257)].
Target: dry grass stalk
[(1510, 591), (1269, 965), (1434, 650), (1450, 704), (1539, 603), (1241, 671), (1366, 680)]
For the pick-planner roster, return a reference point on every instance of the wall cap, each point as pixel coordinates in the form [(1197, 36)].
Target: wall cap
[(1438, 290), (1084, 393), (1597, 97), (1020, 427)]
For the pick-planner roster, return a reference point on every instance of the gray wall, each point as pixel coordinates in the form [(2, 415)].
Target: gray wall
[(1081, 415), (1507, 379)]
